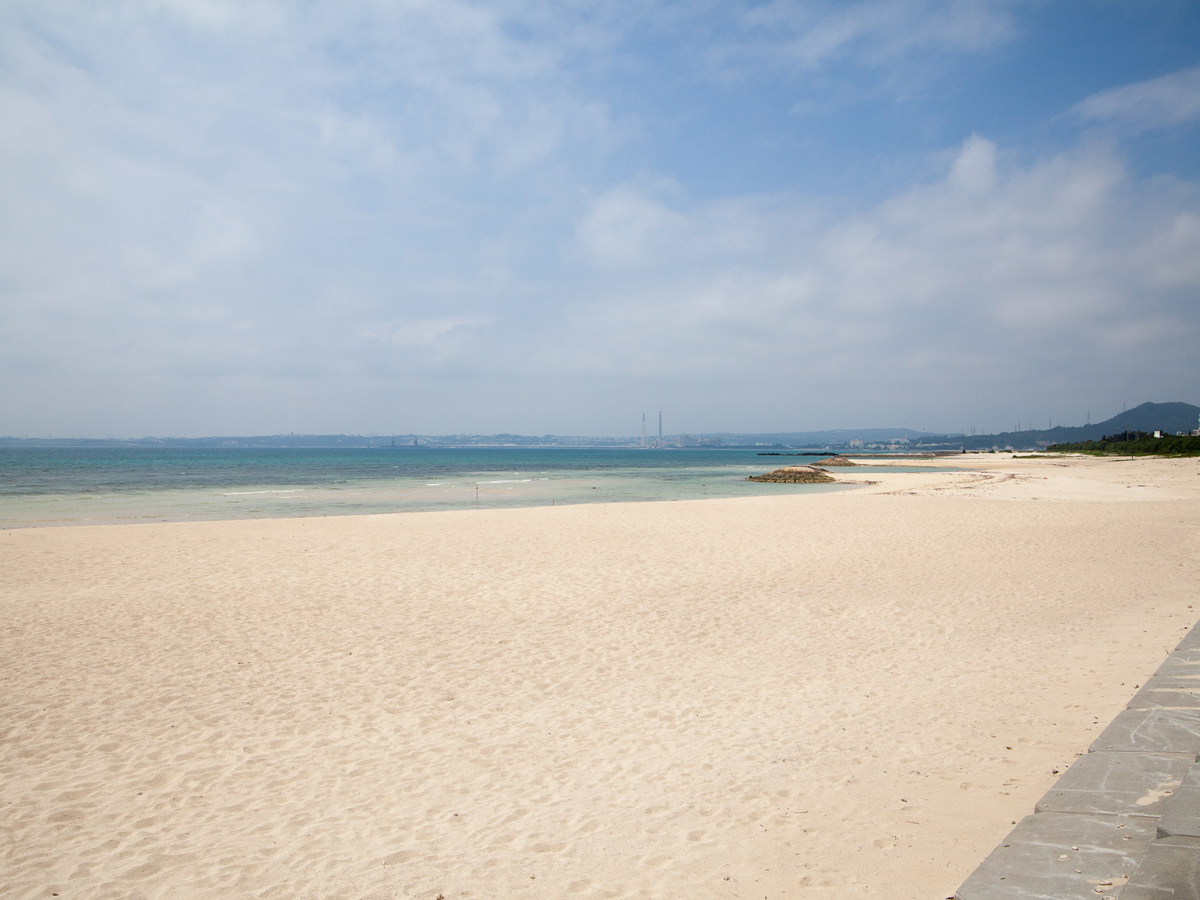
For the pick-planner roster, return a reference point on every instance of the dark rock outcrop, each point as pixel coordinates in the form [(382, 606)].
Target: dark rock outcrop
[(794, 475)]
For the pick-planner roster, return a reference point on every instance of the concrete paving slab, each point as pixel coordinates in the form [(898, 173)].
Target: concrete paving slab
[(1061, 856), (1183, 657), (1181, 811), (1129, 784), (1164, 691), (1152, 731), (1173, 679), (1170, 870), (1178, 666), (1136, 768), (1191, 640)]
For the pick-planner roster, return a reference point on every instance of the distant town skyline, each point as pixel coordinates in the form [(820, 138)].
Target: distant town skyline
[(535, 218)]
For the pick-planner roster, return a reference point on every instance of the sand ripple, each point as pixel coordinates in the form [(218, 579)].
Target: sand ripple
[(787, 697)]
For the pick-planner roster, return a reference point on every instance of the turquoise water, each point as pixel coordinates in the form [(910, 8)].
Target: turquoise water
[(94, 486)]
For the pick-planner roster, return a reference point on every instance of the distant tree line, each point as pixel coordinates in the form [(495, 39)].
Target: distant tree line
[(1135, 443)]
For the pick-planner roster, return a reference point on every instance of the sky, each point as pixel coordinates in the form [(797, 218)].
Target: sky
[(231, 218)]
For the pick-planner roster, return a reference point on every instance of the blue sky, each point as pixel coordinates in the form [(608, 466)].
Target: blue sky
[(228, 218)]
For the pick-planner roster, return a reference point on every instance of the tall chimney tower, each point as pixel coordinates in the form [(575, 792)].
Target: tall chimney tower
[(643, 430), (660, 428)]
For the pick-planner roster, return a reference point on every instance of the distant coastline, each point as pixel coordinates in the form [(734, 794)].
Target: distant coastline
[(1169, 418)]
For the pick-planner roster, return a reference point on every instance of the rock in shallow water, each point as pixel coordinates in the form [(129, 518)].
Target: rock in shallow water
[(794, 475)]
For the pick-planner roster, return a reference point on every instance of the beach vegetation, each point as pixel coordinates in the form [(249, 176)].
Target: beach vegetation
[(1135, 443)]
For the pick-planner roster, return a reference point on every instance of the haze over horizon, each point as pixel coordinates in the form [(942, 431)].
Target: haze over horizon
[(543, 219)]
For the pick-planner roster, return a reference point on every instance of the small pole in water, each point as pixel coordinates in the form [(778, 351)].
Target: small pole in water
[(477, 496)]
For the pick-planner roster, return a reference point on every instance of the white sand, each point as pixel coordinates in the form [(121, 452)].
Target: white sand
[(848, 694)]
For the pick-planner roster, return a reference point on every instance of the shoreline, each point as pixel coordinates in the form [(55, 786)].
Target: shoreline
[(132, 492), (975, 475), (799, 694)]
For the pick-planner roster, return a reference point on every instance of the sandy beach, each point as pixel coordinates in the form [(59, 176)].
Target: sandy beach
[(844, 694)]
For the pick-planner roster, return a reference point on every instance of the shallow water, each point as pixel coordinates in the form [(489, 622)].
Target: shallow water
[(94, 486)]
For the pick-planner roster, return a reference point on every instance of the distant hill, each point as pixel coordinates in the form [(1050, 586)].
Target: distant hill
[(1166, 417)]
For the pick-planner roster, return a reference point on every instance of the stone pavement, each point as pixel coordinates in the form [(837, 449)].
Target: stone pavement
[(1124, 820)]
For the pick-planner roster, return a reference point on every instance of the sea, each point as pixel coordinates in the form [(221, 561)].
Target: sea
[(82, 486)]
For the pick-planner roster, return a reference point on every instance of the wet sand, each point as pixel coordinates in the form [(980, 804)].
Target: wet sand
[(800, 696)]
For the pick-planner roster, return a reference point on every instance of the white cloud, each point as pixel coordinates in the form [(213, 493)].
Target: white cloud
[(1157, 103), (221, 217), (974, 169), (1172, 254), (808, 36), (419, 332), (625, 227), (959, 290)]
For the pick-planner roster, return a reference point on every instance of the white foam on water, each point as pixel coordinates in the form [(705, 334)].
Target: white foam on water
[(243, 493)]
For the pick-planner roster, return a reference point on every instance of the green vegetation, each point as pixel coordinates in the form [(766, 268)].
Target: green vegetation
[(1134, 443)]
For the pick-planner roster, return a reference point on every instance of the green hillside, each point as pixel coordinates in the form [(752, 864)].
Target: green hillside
[(1135, 443)]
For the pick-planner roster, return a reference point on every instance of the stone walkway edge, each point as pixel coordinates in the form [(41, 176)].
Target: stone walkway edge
[(1124, 820)]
